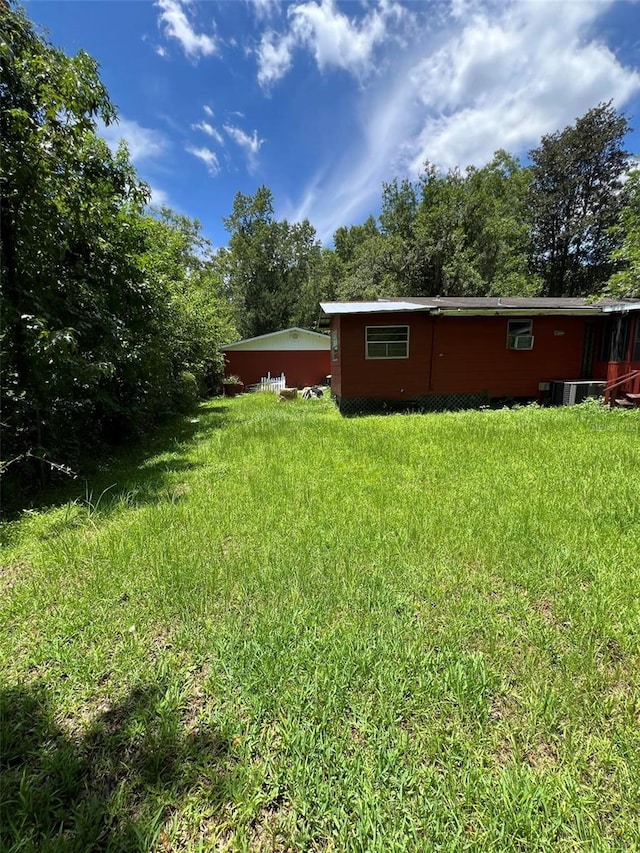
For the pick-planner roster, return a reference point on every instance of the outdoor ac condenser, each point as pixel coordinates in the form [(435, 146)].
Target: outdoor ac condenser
[(568, 393)]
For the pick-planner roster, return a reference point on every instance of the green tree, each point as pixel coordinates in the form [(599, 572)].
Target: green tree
[(625, 283), (101, 303), (270, 266), (575, 200), (65, 248), (198, 317), (498, 226), (448, 260), (346, 239), (404, 275), (449, 234)]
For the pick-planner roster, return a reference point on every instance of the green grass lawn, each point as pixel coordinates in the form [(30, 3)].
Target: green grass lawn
[(286, 630)]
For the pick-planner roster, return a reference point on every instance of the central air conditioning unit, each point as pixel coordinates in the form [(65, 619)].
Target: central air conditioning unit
[(571, 392), (520, 341)]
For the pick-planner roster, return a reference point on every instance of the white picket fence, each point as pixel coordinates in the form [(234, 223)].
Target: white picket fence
[(269, 383)]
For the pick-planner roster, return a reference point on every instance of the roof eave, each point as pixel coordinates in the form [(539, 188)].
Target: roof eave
[(621, 307), (272, 335), (334, 309), (519, 312)]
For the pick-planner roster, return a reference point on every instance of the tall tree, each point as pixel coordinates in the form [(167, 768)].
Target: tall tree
[(63, 207), (447, 266), (498, 226), (398, 222), (625, 282), (181, 263), (575, 199), (269, 265), (346, 239), (94, 290)]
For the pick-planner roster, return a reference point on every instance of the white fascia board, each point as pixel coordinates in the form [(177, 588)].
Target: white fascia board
[(621, 307), (520, 312), (332, 308)]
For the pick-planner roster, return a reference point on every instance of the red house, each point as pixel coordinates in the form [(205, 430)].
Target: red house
[(460, 352), (302, 356)]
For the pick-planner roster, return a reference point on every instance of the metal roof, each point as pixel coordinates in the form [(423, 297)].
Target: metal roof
[(630, 305), (488, 303), (372, 307), (483, 305)]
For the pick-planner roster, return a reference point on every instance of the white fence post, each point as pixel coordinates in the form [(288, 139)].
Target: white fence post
[(269, 383)]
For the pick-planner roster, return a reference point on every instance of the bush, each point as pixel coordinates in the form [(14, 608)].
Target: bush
[(185, 391)]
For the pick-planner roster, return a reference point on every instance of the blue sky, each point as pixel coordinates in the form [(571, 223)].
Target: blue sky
[(324, 101)]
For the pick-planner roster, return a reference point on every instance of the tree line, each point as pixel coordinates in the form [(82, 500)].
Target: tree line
[(114, 313), (111, 315), (565, 223)]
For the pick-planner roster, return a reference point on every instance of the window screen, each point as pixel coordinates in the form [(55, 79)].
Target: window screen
[(387, 341)]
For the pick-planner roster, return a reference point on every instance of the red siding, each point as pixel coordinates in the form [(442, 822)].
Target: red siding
[(470, 354), (301, 367), (450, 355), (389, 379)]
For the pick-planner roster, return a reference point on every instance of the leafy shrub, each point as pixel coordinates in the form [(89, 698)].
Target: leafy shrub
[(185, 391)]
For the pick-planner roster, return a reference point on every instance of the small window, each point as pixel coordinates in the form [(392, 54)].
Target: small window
[(520, 334), (387, 341), (334, 344)]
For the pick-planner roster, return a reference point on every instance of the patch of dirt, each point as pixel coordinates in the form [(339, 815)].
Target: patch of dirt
[(504, 754), (12, 574), (267, 831), (198, 701), (545, 608), (503, 712), (542, 756), (177, 493), (503, 707), (357, 737)]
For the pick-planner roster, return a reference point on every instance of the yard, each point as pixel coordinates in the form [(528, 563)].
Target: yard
[(286, 630)]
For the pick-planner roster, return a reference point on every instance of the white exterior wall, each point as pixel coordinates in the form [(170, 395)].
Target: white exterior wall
[(288, 339)]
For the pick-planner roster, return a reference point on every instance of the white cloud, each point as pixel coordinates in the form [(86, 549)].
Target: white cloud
[(207, 128), (176, 25), (338, 40), (503, 82), (265, 9), (274, 58), (208, 111), (250, 144), (144, 144), (334, 39), (492, 77), (208, 157), (159, 197)]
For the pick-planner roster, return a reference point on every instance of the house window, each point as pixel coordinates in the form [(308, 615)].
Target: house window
[(387, 341), (520, 334), (334, 344)]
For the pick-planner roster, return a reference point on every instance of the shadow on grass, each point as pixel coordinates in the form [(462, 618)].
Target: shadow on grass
[(109, 789), (126, 472)]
